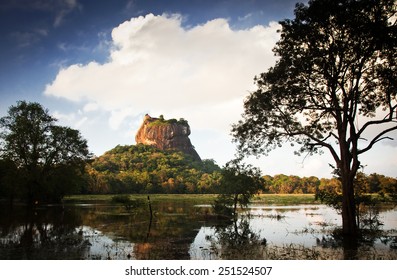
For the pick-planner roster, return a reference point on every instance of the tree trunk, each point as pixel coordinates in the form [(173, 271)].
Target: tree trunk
[(235, 201), (348, 166), (349, 223)]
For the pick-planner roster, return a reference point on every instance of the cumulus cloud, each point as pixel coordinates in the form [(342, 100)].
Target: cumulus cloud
[(157, 65), (78, 119)]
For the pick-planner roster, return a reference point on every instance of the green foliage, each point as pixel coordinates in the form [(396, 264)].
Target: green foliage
[(369, 189), (44, 161), (145, 169), (129, 204), (223, 205), (370, 192), (285, 199), (330, 197), (239, 183), (284, 184), (161, 121)]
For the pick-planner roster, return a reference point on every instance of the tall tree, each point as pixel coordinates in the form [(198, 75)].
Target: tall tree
[(46, 156), (335, 80)]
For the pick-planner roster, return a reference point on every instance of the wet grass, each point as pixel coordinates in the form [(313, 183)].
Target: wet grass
[(271, 199), (154, 198), (285, 199), (296, 252)]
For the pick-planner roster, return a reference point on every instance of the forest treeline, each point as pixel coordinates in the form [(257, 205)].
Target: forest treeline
[(145, 169), (290, 184)]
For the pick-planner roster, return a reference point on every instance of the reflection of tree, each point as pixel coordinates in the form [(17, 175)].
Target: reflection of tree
[(236, 241), (41, 234), (168, 235), (359, 248), (167, 238)]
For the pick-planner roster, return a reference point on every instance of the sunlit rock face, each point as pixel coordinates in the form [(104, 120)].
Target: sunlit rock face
[(166, 135)]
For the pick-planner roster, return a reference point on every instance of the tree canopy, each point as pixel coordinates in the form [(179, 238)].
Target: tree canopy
[(44, 159), (332, 86), (239, 183)]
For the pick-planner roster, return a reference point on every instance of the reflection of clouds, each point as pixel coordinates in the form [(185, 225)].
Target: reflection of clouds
[(299, 225), (201, 246), (104, 247), (326, 216), (389, 218)]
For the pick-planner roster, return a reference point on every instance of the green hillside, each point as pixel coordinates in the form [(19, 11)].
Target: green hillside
[(145, 169)]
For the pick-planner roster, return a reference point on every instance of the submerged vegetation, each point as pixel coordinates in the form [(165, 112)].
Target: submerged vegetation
[(238, 185)]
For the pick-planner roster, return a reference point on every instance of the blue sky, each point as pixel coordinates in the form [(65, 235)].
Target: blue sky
[(100, 66)]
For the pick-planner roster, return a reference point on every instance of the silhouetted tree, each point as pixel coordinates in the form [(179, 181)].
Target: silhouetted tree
[(48, 158)]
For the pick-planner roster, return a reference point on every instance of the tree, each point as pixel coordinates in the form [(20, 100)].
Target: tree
[(335, 80), (48, 157), (239, 183)]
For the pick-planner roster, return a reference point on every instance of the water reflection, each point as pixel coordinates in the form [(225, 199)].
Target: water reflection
[(41, 234), (182, 230), (235, 240)]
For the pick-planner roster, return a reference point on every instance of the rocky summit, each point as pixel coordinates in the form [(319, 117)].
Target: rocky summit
[(166, 135)]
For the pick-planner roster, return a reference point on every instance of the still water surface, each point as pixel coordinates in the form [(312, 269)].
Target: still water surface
[(184, 230)]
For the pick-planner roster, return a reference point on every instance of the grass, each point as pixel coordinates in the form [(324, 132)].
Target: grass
[(202, 198), (285, 199), (275, 199)]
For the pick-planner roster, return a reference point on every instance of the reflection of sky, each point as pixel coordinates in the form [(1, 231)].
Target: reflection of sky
[(389, 218), (200, 248), (103, 247), (283, 225), (279, 225)]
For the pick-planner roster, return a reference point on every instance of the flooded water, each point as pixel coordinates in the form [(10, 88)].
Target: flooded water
[(184, 230)]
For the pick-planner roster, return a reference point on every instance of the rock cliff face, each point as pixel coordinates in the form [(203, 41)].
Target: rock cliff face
[(166, 135)]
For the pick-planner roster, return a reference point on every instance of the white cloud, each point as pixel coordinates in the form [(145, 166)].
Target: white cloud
[(157, 66), (90, 107), (77, 119), (117, 117)]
